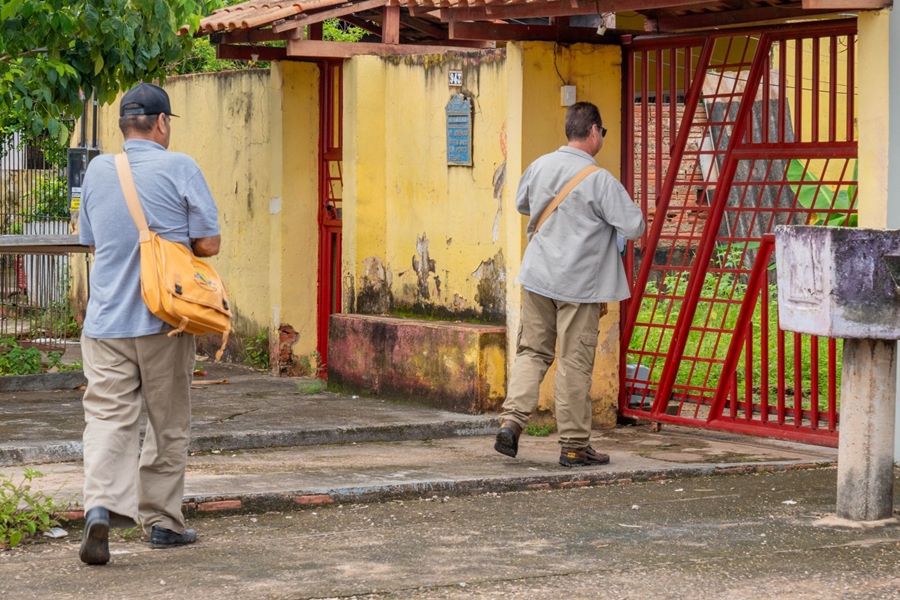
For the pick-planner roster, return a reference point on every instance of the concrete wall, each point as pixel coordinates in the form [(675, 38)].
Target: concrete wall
[(446, 240), (420, 234)]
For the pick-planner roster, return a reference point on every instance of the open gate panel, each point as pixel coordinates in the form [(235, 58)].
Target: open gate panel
[(734, 134)]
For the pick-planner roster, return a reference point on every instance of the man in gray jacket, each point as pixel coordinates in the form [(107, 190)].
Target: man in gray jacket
[(571, 269)]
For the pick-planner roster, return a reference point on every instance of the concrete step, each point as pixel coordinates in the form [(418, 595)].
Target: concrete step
[(234, 408)]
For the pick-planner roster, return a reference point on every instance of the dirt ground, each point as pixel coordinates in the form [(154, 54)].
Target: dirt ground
[(724, 537)]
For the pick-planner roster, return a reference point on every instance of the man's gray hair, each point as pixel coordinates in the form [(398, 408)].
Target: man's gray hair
[(580, 117), (137, 123)]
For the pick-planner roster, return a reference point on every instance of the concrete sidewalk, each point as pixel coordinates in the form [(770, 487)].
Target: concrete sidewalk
[(233, 408), (259, 444)]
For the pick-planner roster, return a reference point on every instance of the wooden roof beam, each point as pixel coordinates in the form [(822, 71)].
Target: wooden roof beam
[(728, 18), (834, 5), (362, 24), (231, 52), (564, 8), (460, 44), (317, 49), (509, 32), (421, 11), (424, 27), (334, 13), (390, 26), (247, 36)]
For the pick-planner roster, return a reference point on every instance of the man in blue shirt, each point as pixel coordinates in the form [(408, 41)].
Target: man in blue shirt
[(129, 360)]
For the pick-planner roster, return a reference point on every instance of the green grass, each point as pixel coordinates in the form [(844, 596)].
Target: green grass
[(311, 386), (538, 430)]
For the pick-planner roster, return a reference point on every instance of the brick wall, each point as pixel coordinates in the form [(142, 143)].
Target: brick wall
[(681, 218)]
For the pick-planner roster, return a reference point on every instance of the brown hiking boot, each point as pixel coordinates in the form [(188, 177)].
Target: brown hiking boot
[(582, 457), (508, 438)]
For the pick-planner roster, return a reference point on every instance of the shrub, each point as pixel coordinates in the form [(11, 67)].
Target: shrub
[(23, 512)]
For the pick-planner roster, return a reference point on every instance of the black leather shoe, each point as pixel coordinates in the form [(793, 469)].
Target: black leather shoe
[(508, 438), (95, 542), (161, 537)]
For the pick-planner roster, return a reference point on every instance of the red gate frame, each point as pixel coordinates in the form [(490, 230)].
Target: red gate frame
[(737, 149)]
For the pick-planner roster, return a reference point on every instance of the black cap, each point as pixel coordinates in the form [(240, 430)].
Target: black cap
[(145, 99)]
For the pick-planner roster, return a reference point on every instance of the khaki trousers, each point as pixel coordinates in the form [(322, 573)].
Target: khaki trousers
[(575, 327), (123, 374)]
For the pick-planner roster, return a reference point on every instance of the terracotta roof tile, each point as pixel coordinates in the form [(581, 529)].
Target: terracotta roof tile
[(259, 13)]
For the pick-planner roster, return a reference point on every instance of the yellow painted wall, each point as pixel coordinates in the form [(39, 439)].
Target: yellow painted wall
[(874, 117), (364, 226), (417, 231), (298, 246), (254, 135)]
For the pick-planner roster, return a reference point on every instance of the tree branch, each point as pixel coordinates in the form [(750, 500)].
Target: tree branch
[(8, 59)]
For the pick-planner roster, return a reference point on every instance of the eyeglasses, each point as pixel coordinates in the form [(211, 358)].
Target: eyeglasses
[(602, 131)]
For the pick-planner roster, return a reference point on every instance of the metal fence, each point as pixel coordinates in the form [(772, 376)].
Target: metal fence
[(34, 288)]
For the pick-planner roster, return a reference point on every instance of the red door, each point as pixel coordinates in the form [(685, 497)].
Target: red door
[(330, 194)]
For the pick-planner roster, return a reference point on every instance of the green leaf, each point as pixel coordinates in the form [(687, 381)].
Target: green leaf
[(98, 64), (14, 538), (63, 137), (9, 9), (851, 189)]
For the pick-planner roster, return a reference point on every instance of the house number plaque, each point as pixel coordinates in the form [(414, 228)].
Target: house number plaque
[(459, 131)]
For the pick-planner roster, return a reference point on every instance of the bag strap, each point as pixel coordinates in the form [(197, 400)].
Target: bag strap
[(131, 196), (563, 193)]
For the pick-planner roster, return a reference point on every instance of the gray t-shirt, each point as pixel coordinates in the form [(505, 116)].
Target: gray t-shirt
[(178, 206)]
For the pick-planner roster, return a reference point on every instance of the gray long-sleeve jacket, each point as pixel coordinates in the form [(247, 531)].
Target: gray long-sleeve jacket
[(573, 257)]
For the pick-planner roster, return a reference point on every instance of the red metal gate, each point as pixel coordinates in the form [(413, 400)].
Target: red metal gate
[(735, 132), (330, 195)]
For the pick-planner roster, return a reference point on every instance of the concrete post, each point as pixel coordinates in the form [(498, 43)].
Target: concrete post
[(866, 447)]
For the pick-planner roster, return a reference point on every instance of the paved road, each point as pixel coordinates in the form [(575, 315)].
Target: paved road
[(723, 537)]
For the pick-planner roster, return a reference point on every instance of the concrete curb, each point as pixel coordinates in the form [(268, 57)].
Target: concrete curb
[(213, 505), (342, 435), (71, 451), (68, 380), (52, 452)]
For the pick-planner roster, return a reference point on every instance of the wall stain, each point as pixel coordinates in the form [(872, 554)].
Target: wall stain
[(423, 265), (499, 182), (375, 296), (491, 295), (348, 295)]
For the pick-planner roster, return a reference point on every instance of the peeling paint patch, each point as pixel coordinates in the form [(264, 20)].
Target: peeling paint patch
[(348, 296), (491, 296), (423, 265), (375, 295), (499, 184), (458, 304)]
